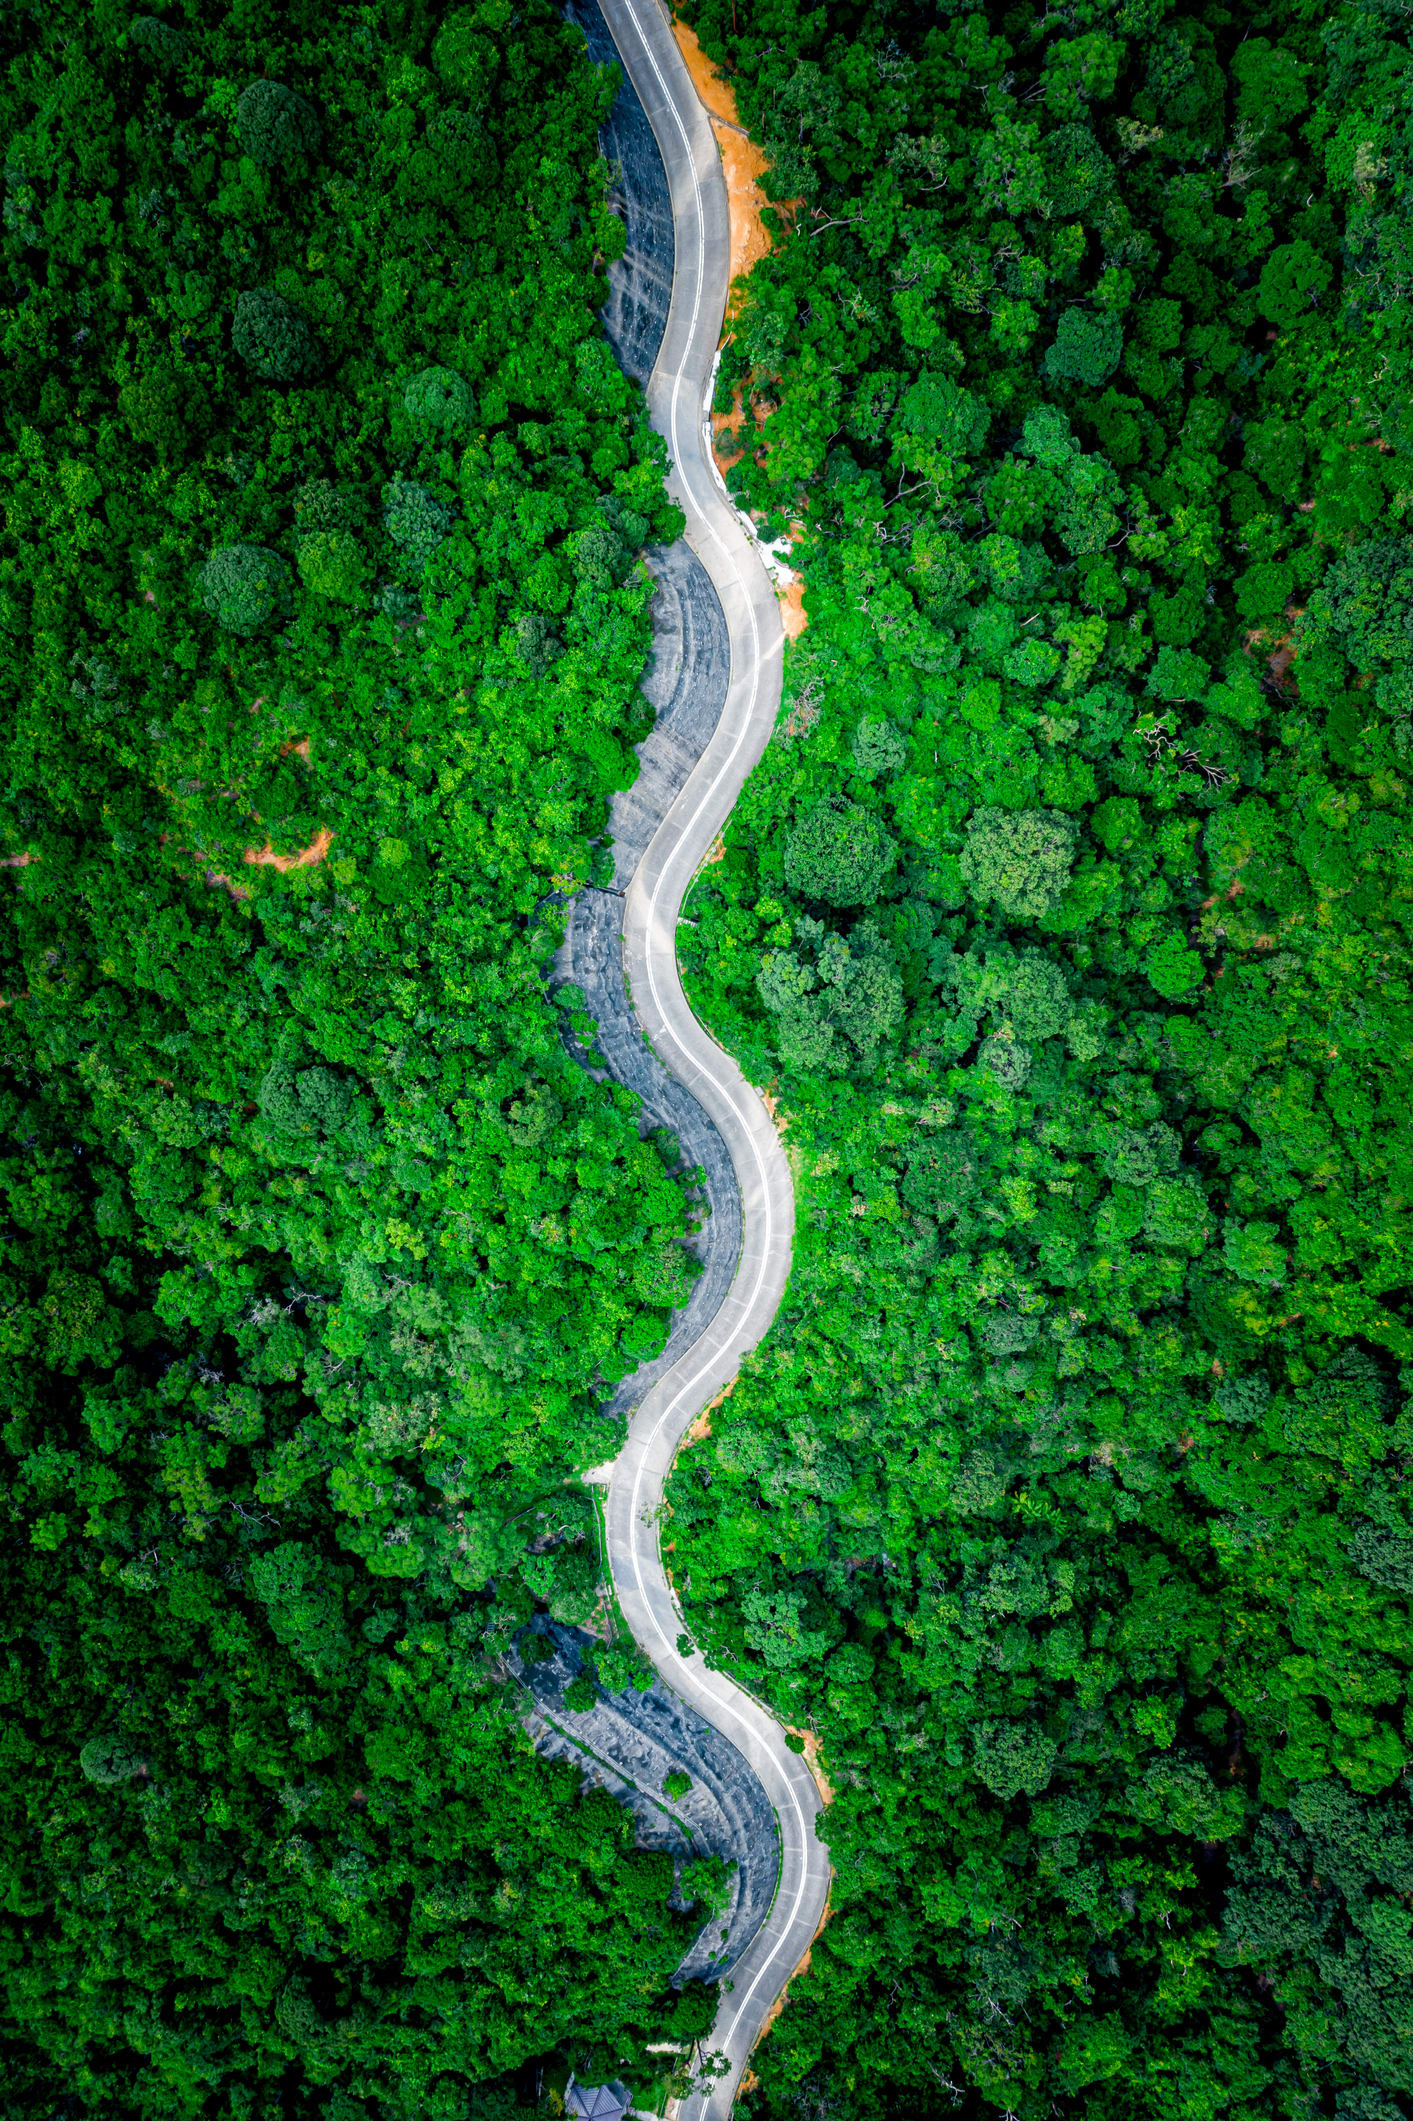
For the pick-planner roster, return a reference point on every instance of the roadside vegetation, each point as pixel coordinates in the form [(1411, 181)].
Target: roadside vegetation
[(320, 626), (1068, 913)]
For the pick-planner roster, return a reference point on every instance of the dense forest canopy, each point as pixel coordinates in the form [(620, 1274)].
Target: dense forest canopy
[(1068, 914), (1070, 907), (322, 625)]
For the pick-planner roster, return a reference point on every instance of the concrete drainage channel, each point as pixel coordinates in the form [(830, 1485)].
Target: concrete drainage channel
[(715, 681)]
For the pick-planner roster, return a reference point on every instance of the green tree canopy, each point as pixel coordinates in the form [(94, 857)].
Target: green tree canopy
[(839, 852), (244, 587)]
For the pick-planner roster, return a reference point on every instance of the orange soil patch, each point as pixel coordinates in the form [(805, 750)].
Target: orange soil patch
[(728, 448), (718, 96), (812, 1763), (18, 861), (792, 608), (772, 1105), (218, 876), (266, 858), (701, 1427), (743, 163)]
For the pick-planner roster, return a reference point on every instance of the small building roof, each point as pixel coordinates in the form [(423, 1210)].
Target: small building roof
[(597, 2102)]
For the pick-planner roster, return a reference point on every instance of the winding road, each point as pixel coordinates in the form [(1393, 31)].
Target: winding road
[(678, 394)]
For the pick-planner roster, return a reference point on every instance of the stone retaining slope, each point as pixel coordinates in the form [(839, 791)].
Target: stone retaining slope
[(707, 1345), (627, 1744)]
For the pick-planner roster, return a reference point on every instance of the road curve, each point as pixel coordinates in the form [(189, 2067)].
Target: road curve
[(677, 395)]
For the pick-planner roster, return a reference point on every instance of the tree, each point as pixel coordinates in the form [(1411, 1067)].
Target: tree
[(537, 644), (244, 587), (877, 748), (1176, 1213), (1365, 605), (157, 43), (466, 57), (1087, 518), (1014, 1758), (111, 1759), (1344, 1413), (1018, 860), (862, 990), (331, 563), (839, 852), (1275, 452), (1048, 437), (277, 128), (1174, 969), (943, 416), (1077, 170), (439, 399), (319, 504), (603, 551), (416, 520), (1086, 348), (1293, 279), (272, 338), (1025, 989), (163, 406)]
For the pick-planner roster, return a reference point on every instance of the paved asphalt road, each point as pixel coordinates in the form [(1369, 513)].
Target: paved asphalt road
[(677, 399)]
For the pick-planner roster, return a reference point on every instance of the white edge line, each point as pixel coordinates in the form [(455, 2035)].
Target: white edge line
[(744, 730)]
